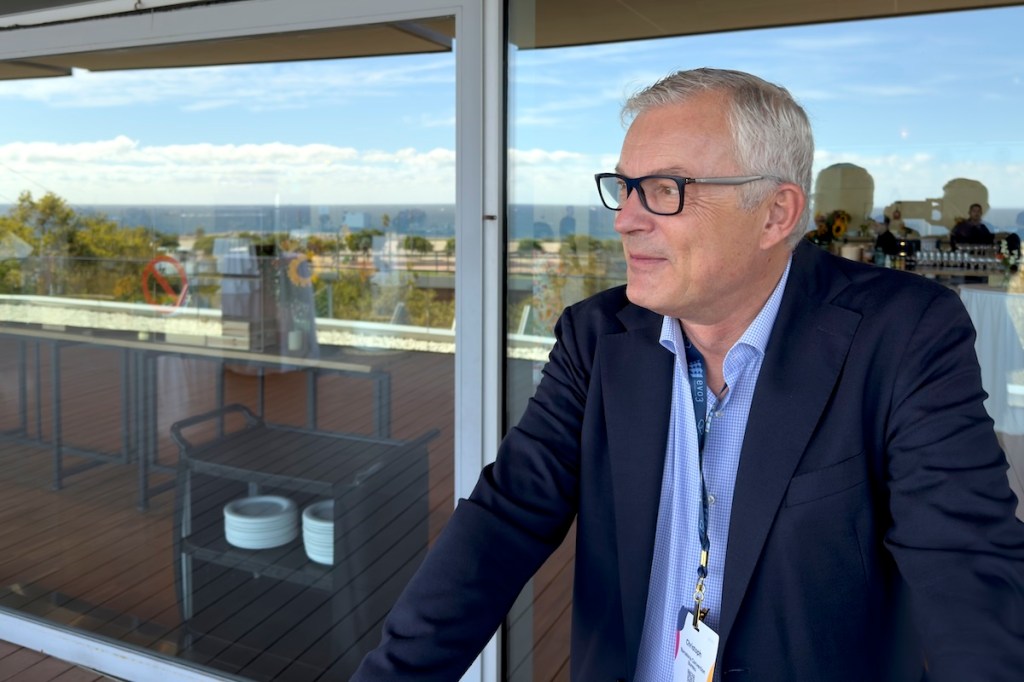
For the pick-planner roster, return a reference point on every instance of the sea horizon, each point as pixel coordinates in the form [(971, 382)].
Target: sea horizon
[(542, 221)]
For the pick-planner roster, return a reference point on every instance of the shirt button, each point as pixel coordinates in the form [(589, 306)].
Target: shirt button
[(711, 499)]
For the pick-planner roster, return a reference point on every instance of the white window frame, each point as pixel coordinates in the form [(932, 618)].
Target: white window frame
[(480, 178)]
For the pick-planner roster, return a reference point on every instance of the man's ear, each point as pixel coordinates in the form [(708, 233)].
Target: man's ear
[(785, 206)]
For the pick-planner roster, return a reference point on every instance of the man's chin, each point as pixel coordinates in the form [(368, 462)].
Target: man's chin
[(638, 295)]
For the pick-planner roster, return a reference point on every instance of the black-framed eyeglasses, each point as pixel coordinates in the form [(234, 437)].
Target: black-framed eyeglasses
[(659, 194)]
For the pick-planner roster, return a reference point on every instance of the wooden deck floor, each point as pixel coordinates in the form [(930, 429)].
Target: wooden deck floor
[(85, 556)]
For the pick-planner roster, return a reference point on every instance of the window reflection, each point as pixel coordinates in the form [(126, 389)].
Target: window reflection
[(194, 322), (929, 130)]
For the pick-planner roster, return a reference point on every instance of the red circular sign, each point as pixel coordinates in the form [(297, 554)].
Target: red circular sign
[(151, 275)]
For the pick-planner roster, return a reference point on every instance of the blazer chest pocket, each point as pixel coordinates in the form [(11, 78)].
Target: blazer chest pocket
[(814, 485)]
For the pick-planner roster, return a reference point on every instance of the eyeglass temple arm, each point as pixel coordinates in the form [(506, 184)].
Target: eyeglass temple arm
[(738, 180)]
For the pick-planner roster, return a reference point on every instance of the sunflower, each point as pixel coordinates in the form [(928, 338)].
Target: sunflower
[(839, 225), (300, 276)]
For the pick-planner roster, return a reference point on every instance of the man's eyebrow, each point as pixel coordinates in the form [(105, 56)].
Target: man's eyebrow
[(674, 171)]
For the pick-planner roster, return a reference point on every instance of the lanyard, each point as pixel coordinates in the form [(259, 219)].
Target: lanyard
[(699, 389)]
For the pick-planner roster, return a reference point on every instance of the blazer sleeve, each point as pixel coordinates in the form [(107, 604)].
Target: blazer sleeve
[(518, 513), (954, 535)]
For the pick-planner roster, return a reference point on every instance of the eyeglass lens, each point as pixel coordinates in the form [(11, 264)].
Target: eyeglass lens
[(658, 194)]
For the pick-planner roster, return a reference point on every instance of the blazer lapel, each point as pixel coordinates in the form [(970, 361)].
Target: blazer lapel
[(803, 359), (636, 373)]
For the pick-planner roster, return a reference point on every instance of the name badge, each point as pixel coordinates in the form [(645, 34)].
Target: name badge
[(696, 651)]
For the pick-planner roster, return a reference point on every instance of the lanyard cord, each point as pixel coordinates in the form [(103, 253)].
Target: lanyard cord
[(699, 390)]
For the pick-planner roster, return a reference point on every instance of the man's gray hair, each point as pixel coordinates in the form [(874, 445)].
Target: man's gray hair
[(771, 133)]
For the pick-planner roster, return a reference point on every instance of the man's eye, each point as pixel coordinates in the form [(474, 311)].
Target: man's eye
[(665, 188)]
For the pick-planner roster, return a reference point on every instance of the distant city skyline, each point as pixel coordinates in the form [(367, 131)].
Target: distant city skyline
[(917, 101), (430, 220)]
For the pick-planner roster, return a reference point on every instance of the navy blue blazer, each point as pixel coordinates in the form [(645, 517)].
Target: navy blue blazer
[(872, 534)]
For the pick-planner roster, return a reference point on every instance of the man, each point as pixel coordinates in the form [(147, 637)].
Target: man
[(972, 230), (849, 493)]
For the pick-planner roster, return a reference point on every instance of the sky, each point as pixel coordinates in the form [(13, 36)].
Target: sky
[(916, 101)]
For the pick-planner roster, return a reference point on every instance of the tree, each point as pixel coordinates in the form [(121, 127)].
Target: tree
[(93, 256), (106, 260), (204, 243), (165, 240), (362, 241), (320, 245), (98, 237), (50, 225), (49, 218), (425, 310), (12, 273), (581, 244), (417, 244), (351, 296), (9, 225), (529, 245)]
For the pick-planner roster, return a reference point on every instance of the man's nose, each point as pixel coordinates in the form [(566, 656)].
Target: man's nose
[(632, 215)]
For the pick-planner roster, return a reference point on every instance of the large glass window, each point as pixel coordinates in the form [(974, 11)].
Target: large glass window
[(227, 342), (916, 114)]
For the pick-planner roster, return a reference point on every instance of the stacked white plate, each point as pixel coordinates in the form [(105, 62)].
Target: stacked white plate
[(318, 531), (261, 521)]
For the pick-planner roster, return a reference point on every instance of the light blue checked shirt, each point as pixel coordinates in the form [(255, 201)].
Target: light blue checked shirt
[(676, 545)]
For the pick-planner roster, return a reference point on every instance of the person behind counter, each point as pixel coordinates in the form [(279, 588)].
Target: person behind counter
[(896, 238), (971, 230), (887, 242), (847, 517)]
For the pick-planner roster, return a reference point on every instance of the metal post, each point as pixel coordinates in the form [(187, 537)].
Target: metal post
[(145, 426), (22, 389), (311, 398), (219, 390), (55, 391), (261, 394), (39, 391), (382, 401), (126, 403)]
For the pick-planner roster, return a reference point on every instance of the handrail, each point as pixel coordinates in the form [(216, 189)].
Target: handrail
[(184, 444), (142, 318)]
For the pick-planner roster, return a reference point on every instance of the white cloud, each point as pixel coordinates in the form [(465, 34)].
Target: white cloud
[(126, 171), (543, 157), (258, 87), (123, 171), (559, 177)]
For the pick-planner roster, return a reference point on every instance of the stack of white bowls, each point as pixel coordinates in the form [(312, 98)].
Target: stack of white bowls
[(261, 521), (318, 531)]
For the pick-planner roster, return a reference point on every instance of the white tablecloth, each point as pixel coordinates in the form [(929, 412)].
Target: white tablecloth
[(1000, 354), (999, 348)]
